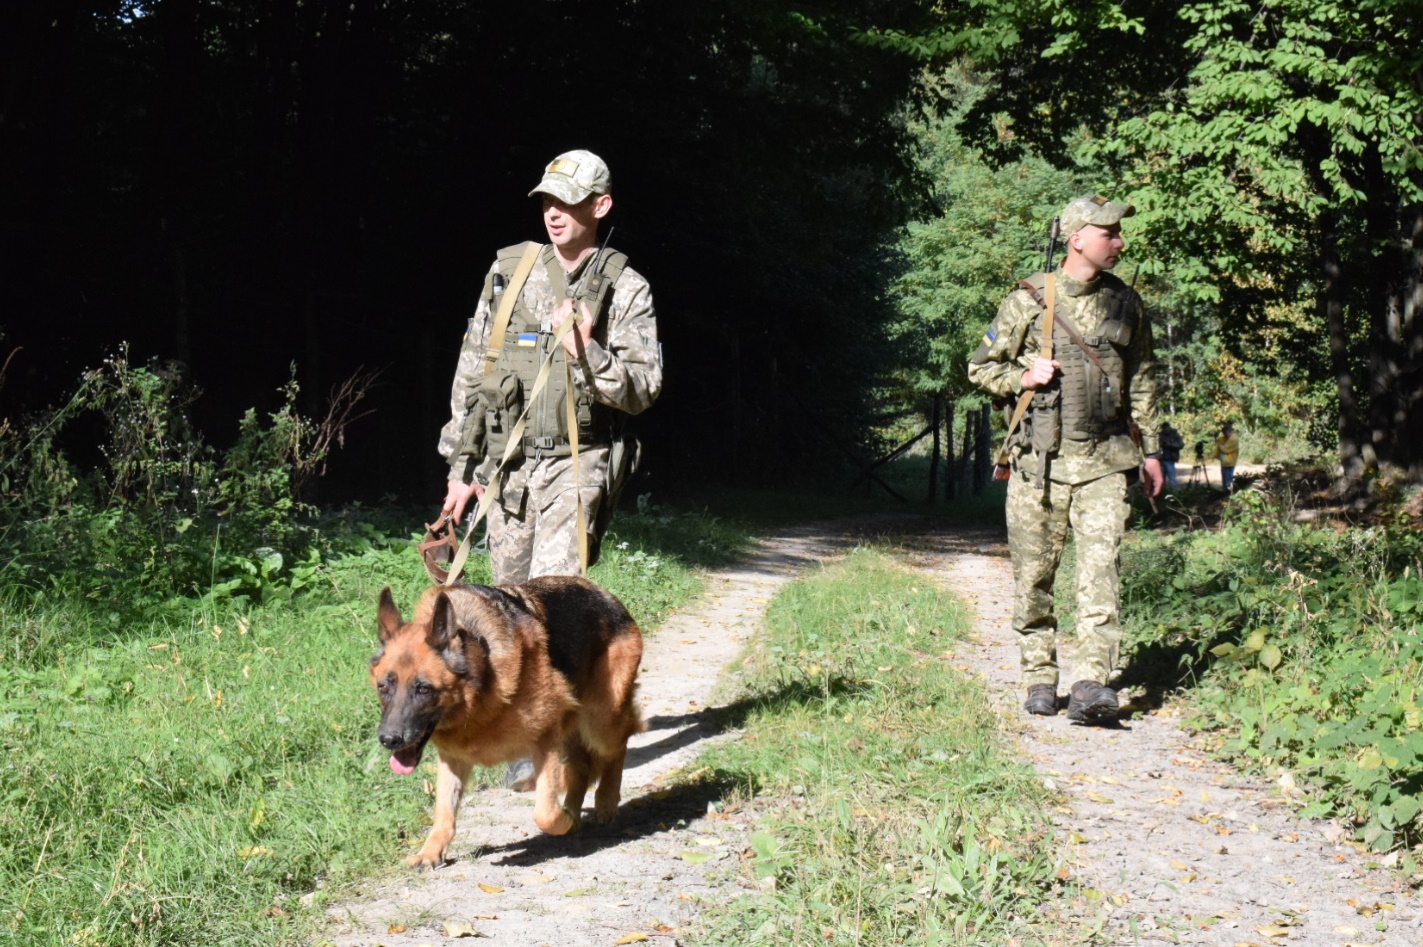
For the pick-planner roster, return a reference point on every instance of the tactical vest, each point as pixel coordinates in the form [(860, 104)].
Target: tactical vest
[(498, 400), (1089, 402)]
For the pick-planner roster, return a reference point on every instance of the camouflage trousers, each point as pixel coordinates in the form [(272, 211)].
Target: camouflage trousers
[(533, 528), (1037, 530)]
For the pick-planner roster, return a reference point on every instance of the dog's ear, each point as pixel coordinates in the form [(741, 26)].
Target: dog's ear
[(388, 616), (443, 629)]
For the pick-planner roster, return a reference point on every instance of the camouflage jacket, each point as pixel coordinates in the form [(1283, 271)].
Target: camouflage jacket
[(623, 372), (1012, 343)]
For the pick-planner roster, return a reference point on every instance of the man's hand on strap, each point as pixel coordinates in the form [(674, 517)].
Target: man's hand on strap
[(1041, 374), (575, 342)]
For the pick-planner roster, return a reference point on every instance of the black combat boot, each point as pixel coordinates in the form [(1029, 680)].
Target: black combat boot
[(1090, 702), (1042, 700)]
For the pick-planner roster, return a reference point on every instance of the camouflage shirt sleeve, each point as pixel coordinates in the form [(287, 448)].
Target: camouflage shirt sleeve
[(625, 372), (1140, 371), (468, 371), (1008, 347)]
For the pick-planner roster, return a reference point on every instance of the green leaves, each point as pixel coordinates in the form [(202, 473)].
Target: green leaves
[(1320, 672)]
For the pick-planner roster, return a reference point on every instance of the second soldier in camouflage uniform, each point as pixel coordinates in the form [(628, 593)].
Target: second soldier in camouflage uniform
[(612, 360), (1069, 461)]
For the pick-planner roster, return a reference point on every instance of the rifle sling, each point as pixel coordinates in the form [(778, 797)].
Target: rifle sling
[(1071, 330), (1044, 351)]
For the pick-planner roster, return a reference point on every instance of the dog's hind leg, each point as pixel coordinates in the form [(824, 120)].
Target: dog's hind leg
[(610, 784), (449, 789), (548, 781), (578, 769)]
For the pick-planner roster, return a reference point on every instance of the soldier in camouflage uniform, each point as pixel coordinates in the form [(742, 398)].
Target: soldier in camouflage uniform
[(612, 361), (1071, 457)]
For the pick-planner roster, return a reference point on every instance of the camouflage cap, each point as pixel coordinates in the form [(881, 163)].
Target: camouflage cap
[(1092, 209), (574, 175)]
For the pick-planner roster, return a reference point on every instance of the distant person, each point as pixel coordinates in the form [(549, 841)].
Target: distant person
[(1171, 445), (1070, 462), (1227, 451)]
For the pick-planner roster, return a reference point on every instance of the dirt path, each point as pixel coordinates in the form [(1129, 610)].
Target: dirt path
[(647, 871), (1168, 846)]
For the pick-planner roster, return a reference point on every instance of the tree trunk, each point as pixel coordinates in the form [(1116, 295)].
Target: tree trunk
[(1330, 300), (950, 472), (982, 449), (934, 449), (1395, 416)]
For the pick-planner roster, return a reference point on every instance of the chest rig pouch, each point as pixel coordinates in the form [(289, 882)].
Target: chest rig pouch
[(1088, 400), (528, 344)]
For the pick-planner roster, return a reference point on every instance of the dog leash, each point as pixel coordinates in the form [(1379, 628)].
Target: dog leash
[(516, 436)]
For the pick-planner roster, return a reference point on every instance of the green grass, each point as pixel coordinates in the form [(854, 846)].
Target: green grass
[(187, 780), (897, 814)]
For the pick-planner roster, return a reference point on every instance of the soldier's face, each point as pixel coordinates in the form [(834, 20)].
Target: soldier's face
[(1100, 246), (573, 227)]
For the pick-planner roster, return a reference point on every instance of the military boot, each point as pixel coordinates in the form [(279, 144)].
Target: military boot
[(1090, 702), (1042, 700)]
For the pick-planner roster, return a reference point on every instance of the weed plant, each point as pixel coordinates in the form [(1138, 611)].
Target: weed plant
[(1302, 647), (159, 513), (897, 817)]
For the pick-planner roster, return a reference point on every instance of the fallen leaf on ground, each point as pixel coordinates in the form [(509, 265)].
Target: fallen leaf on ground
[(633, 938), (461, 929), (694, 858)]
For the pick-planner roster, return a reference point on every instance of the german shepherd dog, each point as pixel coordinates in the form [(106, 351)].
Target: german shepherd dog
[(544, 670)]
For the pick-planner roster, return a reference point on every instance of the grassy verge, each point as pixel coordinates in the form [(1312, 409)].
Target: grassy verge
[(897, 817), (1301, 648), (187, 780)]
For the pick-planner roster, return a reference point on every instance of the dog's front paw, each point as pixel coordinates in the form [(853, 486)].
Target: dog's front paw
[(427, 857), (560, 822)]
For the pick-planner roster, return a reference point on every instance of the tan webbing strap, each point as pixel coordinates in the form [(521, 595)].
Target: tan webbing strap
[(1044, 351), (1049, 313), (516, 437), (510, 296), (572, 415)]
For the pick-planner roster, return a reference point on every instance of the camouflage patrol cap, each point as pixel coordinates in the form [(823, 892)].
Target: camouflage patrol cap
[(574, 175), (1092, 209)]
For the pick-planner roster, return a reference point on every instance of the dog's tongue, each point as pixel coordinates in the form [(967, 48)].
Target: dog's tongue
[(404, 762)]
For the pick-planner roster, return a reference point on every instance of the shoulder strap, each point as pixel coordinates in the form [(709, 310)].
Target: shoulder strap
[(495, 348), (1048, 300)]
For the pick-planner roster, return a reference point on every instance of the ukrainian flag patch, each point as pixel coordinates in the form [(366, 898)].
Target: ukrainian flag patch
[(528, 340), (988, 337)]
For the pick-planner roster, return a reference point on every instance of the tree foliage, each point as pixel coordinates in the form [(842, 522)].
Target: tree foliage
[(1272, 149), (235, 184)]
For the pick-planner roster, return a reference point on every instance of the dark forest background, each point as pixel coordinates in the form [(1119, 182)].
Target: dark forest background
[(243, 185)]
